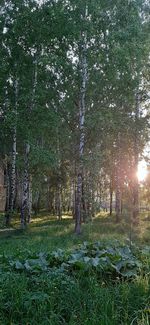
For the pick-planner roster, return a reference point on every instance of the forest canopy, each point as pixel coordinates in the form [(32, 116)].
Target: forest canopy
[(74, 106)]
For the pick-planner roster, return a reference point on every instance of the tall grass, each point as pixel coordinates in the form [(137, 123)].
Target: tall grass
[(43, 299)]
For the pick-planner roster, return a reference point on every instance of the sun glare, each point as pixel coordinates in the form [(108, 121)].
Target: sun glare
[(142, 171)]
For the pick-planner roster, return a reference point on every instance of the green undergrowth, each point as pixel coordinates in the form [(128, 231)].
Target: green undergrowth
[(97, 283), (47, 233), (83, 300), (111, 261), (50, 276)]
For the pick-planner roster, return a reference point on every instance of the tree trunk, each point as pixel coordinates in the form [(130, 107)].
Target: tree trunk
[(118, 181), (90, 195), (111, 199), (58, 191), (58, 202), (50, 196), (78, 205), (74, 198), (84, 207), (118, 202), (7, 184), (30, 198), (25, 209), (70, 197), (135, 183), (12, 187), (27, 189), (82, 110), (37, 202)]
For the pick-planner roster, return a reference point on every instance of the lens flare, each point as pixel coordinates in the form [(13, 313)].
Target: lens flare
[(142, 171)]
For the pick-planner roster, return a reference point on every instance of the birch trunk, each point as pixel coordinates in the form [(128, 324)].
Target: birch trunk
[(12, 183), (135, 183), (118, 201), (26, 208), (30, 198), (84, 207), (82, 110), (93, 197), (59, 185), (74, 199), (70, 202), (25, 192), (111, 200), (90, 196), (7, 182), (59, 203), (111, 197), (50, 196), (118, 181)]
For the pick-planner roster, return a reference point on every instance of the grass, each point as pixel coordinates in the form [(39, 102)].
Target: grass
[(47, 233), (41, 299)]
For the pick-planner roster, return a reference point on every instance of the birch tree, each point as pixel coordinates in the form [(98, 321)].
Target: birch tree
[(27, 185), (82, 111), (12, 185)]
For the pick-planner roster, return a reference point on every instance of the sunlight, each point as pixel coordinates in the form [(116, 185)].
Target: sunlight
[(142, 171)]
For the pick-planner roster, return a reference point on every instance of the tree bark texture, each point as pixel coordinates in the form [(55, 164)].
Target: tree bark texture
[(135, 183), (58, 196), (12, 183), (30, 198), (26, 208), (7, 184), (82, 110), (58, 202), (118, 180), (111, 199)]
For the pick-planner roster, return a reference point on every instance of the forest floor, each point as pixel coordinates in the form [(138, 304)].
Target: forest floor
[(47, 233), (40, 299)]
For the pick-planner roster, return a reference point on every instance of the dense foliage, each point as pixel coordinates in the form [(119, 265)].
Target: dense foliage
[(97, 282), (73, 104), (108, 261)]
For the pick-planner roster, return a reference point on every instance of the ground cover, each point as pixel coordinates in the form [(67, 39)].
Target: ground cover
[(42, 290)]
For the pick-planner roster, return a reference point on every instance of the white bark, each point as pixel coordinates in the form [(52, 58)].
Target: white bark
[(30, 197), (7, 181), (13, 171), (26, 209), (82, 110), (118, 180), (59, 185), (12, 184), (135, 183), (25, 191)]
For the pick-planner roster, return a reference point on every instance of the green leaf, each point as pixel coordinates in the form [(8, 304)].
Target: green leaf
[(27, 266), (95, 261), (86, 259), (129, 273), (19, 265)]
